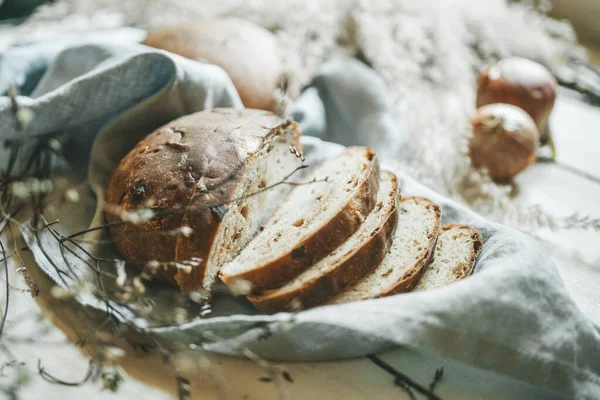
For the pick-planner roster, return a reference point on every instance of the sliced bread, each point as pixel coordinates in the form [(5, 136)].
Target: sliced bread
[(189, 173), (358, 255), (419, 223), (313, 221), (457, 248)]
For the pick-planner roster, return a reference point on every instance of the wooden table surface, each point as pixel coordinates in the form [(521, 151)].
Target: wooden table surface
[(576, 128)]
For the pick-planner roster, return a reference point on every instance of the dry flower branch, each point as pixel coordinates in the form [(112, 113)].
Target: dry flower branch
[(172, 211), (407, 383), (52, 379), (586, 80), (439, 374), (19, 375), (93, 262), (571, 169), (31, 286), (276, 373), (7, 295)]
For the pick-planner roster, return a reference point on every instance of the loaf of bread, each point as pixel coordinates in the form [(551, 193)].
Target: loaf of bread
[(247, 52), (204, 179), (202, 197)]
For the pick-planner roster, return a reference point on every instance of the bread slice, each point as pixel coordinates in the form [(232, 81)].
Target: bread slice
[(314, 220), (358, 255), (418, 228), (457, 248)]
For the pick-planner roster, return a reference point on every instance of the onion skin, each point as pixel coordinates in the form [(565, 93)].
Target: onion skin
[(520, 82), (504, 141)]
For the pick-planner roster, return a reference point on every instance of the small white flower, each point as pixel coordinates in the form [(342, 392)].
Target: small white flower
[(149, 203), (124, 296), (55, 145), (145, 276), (37, 186), (72, 196), (121, 274), (153, 265), (59, 292), (180, 315), (138, 286), (185, 363), (19, 189), (24, 115), (112, 355), (199, 296), (206, 312), (34, 186), (295, 305), (241, 287), (145, 310), (186, 231), (46, 186), (136, 217), (185, 268), (84, 287), (146, 214), (191, 263)]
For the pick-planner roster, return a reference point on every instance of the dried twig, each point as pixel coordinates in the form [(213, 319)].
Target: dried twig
[(178, 210), (183, 388), (439, 374), (404, 381), (585, 80), (20, 378), (276, 373), (570, 169), (5, 313), (52, 379)]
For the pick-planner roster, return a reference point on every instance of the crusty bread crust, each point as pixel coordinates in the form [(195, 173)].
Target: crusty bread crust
[(349, 268), (183, 172), (318, 245), (410, 279)]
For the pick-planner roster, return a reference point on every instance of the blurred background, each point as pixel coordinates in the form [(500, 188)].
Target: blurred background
[(583, 14)]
